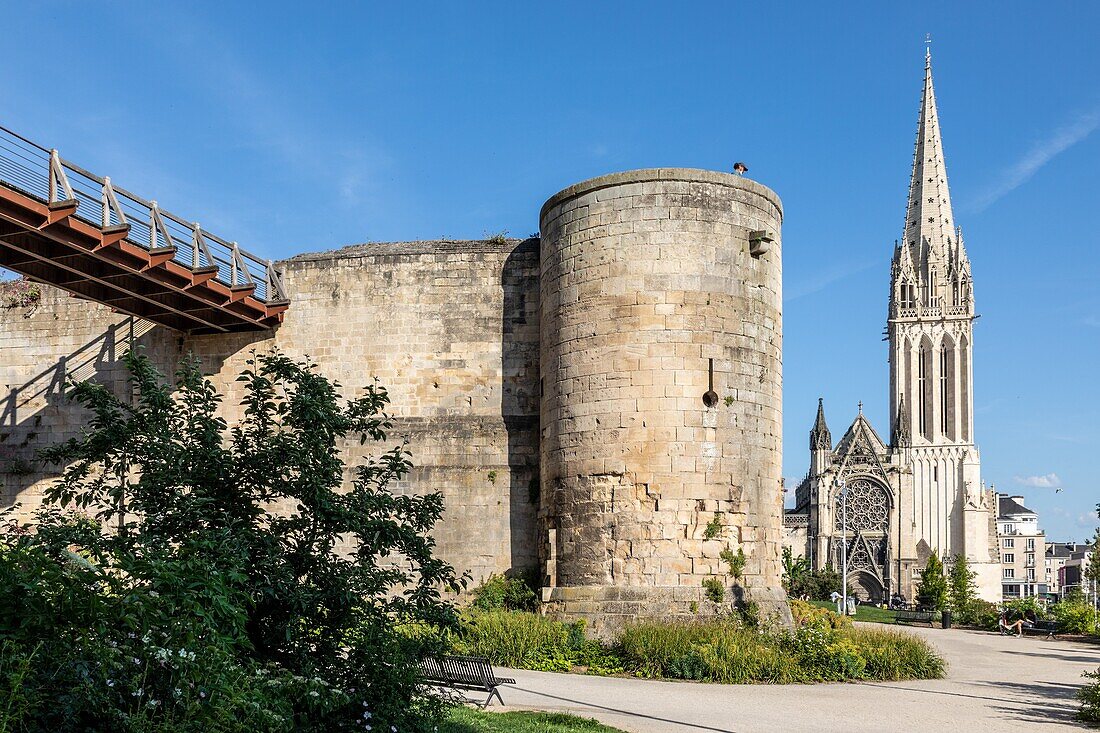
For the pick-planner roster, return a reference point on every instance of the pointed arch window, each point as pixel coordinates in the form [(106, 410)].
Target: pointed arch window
[(908, 297), (924, 389), (955, 293), (945, 382)]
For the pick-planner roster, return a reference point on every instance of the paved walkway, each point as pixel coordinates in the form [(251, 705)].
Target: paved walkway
[(994, 683)]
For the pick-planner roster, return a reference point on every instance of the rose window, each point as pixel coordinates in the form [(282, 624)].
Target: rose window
[(868, 507)]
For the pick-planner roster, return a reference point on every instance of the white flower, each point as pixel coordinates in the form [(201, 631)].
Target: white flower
[(313, 693), (110, 683), (366, 714)]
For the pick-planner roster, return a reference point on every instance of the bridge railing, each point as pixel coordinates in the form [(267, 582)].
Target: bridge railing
[(39, 172)]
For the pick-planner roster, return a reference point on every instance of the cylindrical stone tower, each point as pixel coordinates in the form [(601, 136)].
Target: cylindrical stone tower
[(661, 359)]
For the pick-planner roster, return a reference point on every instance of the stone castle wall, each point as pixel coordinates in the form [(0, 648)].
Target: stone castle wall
[(645, 279), (450, 328), (649, 294)]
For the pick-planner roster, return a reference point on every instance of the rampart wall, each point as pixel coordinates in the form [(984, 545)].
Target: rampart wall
[(450, 328)]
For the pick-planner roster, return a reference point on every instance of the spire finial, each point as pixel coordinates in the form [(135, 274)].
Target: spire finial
[(861, 407), (820, 439)]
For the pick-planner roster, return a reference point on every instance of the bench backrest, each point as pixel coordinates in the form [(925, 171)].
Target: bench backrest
[(466, 670)]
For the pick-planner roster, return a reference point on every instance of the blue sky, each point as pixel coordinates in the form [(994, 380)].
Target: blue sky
[(294, 128)]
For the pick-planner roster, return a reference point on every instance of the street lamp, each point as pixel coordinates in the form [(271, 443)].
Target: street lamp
[(840, 484)]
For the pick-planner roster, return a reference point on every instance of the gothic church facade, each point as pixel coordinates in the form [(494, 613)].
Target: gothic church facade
[(894, 504)]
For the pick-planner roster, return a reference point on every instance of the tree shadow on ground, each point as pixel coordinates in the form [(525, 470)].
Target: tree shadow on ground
[(1034, 702), (1039, 702), (628, 713), (1094, 660)]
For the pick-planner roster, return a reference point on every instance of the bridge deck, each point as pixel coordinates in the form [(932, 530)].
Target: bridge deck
[(68, 228)]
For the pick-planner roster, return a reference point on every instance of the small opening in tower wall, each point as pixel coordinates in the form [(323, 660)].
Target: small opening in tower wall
[(710, 397)]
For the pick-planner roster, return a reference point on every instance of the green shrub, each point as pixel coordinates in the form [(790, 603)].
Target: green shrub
[(515, 639), (805, 613), (815, 585), (530, 641), (1089, 695), (714, 650), (1022, 607), (498, 592), (1075, 617), (714, 527), (734, 561), (896, 655), (983, 614), (201, 610), (714, 589)]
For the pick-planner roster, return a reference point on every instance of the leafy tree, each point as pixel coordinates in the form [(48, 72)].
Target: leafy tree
[(933, 585), (1092, 572), (245, 541), (799, 580), (795, 571), (826, 581), (962, 587)]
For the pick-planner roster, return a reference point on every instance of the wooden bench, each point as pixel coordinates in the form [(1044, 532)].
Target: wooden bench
[(464, 673), (915, 617), (1050, 628)]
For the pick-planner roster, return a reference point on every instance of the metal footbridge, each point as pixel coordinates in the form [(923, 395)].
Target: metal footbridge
[(66, 227)]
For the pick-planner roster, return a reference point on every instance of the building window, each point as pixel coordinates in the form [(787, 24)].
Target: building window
[(1006, 529), (1031, 574), (1031, 543), (945, 370), (1009, 542), (1009, 558), (1012, 591), (922, 390)]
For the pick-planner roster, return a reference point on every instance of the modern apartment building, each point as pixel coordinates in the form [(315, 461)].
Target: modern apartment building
[(1057, 555), (1072, 572), (1023, 549)]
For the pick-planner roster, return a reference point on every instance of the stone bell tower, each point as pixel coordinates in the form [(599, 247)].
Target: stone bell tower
[(930, 328)]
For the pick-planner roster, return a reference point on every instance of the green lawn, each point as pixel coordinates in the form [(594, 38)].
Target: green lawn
[(468, 720), (864, 613)]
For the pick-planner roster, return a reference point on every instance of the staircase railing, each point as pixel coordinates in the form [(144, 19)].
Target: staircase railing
[(42, 173)]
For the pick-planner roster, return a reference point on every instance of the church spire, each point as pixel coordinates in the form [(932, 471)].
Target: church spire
[(929, 222), (820, 439)]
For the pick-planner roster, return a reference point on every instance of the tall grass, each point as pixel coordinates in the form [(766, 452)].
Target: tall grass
[(896, 655), (516, 639), (714, 650)]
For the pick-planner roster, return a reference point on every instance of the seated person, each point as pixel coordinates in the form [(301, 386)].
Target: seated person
[(1006, 627)]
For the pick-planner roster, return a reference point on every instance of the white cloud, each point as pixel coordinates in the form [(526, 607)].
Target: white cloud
[(1062, 138), (1049, 481)]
